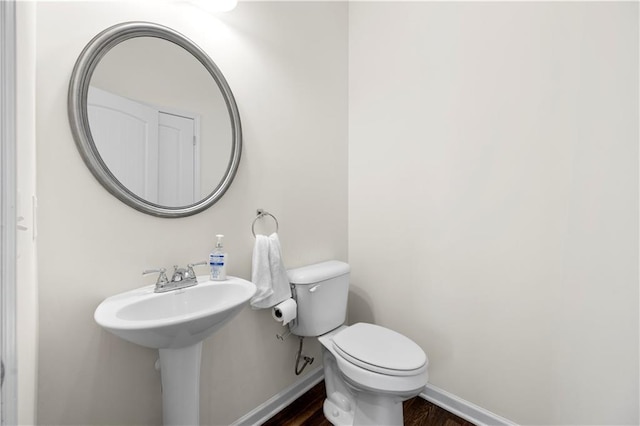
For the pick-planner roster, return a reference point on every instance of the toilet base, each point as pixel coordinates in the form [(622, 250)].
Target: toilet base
[(336, 415), (370, 410)]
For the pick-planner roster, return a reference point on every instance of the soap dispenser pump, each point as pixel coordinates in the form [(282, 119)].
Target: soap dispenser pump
[(218, 261)]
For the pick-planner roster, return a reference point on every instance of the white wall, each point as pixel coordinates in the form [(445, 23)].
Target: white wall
[(493, 198), (289, 77)]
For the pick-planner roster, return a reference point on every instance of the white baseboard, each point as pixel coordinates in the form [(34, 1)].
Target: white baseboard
[(276, 403), (463, 409)]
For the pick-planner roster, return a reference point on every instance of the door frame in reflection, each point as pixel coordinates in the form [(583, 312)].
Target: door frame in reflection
[(152, 150)]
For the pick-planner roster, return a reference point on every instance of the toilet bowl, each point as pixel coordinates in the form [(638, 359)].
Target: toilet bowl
[(369, 370)]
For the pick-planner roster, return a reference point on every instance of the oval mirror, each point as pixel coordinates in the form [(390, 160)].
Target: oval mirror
[(154, 119)]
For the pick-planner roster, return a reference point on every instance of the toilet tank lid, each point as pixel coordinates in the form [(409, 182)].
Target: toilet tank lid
[(318, 272)]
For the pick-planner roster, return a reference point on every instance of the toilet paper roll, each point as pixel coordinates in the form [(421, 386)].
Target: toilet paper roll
[(285, 312)]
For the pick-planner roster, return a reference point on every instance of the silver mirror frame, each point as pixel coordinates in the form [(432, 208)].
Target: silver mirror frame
[(79, 120)]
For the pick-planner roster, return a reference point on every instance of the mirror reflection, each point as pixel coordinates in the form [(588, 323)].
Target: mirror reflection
[(159, 121)]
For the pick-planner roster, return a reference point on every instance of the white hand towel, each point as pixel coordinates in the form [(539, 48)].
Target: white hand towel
[(260, 271), (279, 276), (269, 274)]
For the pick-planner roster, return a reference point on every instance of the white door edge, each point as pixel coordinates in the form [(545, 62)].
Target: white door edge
[(8, 391)]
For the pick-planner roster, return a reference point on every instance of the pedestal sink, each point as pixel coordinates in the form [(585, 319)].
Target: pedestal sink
[(176, 323)]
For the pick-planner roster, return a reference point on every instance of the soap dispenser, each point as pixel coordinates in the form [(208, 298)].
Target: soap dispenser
[(218, 261)]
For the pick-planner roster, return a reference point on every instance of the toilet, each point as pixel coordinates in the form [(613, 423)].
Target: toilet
[(369, 370)]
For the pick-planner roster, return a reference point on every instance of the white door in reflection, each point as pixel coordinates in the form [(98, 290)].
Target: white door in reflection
[(152, 150), (178, 160)]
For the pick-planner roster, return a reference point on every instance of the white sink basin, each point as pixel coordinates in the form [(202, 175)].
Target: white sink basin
[(175, 319)]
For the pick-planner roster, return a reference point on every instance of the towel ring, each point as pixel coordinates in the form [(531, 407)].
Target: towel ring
[(261, 213)]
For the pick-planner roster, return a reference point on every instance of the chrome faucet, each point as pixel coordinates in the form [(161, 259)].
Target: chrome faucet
[(181, 278)]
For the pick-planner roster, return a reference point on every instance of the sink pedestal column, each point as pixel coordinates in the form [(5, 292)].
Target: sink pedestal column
[(180, 373)]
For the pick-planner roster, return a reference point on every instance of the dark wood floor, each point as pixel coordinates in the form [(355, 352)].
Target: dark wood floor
[(307, 411)]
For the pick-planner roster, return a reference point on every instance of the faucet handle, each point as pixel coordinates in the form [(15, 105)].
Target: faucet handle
[(190, 272), (162, 276)]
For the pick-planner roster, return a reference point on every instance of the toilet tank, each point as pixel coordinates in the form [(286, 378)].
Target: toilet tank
[(321, 292)]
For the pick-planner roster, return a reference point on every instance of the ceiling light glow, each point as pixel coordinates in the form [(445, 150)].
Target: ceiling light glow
[(214, 6)]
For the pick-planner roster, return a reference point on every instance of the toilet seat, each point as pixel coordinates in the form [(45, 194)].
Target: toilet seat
[(368, 376), (380, 350)]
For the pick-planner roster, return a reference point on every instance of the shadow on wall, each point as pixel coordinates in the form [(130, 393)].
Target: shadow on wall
[(359, 306)]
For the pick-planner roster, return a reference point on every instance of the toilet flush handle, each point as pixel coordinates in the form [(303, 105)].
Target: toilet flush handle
[(314, 288)]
